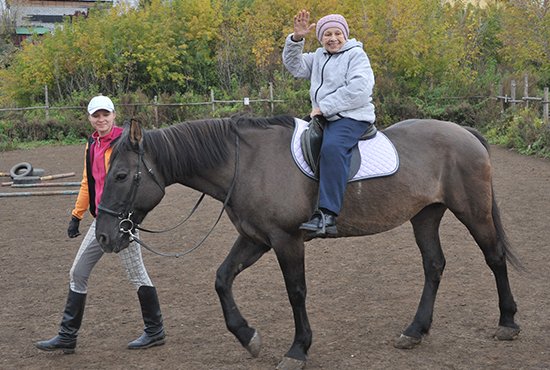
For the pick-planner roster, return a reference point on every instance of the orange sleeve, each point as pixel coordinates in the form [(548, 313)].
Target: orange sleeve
[(83, 199), (108, 159)]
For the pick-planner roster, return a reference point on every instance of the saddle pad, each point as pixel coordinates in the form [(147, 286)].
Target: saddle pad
[(378, 155)]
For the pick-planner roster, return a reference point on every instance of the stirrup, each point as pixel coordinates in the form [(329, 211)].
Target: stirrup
[(323, 230), (313, 223)]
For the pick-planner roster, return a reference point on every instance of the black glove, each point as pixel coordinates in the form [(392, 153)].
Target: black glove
[(72, 231)]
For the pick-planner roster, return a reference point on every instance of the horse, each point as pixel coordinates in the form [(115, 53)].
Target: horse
[(246, 163)]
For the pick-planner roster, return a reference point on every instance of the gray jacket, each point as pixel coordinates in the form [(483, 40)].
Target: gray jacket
[(341, 83)]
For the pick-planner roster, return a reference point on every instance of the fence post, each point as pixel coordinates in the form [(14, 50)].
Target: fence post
[(545, 104), (271, 96), (156, 110), (513, 92), (526, 90), (47, 101), (212, 100)]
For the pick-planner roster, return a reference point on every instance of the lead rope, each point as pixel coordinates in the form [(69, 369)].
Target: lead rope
[(179, 224), (133, 237)]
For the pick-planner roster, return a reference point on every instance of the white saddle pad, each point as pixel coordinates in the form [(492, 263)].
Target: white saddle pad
[(378, 155)]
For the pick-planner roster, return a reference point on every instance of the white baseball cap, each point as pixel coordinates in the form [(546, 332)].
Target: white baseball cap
[(100, 102)]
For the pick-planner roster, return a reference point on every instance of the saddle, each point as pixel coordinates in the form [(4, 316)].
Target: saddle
[(311, 141)]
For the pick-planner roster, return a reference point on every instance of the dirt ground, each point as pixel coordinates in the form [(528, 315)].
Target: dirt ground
[(362, 292)]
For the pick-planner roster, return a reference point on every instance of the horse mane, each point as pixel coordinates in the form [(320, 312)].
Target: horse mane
[(188, 147)]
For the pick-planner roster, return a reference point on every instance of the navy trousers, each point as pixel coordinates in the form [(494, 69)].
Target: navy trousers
[(339, 137)]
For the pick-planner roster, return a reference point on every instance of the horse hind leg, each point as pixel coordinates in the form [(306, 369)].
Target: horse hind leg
[(243, 254), (426, 231), (488, 232)]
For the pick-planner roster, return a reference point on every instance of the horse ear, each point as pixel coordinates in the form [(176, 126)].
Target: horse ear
[(136, 135)]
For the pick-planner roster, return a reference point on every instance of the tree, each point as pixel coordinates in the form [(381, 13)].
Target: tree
[(7, 30), (525, 36)]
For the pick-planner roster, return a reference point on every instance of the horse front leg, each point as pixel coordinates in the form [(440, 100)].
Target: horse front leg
[(426, 231), (290, 255), (243, 254)]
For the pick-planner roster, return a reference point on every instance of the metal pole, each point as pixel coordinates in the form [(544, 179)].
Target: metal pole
[(45, 178), (38, 193), (46, 184)]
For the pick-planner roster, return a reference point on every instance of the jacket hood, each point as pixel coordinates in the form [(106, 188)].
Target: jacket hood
[(351, 43)]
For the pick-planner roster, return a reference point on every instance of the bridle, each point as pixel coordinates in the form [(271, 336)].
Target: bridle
[(127, 225)]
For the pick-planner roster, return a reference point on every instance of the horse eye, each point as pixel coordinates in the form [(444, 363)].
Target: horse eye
[(121, 176)]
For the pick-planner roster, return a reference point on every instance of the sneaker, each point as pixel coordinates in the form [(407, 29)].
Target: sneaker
[(312, 224), (321, 224)]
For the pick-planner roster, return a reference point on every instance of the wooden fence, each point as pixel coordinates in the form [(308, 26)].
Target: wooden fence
[(526, 100), (505, 101), (246, 101)]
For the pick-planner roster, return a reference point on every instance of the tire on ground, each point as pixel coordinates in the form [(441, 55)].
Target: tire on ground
[(21, 170)]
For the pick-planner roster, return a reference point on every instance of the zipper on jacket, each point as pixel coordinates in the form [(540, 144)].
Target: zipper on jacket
[(324, 65), (322, 76)]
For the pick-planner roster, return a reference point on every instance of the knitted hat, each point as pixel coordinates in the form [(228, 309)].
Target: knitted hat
[(331, 21)]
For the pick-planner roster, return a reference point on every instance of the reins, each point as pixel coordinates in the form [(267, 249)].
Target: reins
[(127, 226), (177, 225)]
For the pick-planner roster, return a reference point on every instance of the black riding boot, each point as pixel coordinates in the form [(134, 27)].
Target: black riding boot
[(153, 334), (68, 329)]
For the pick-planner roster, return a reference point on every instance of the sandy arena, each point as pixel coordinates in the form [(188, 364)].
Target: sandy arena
[(362, 292)]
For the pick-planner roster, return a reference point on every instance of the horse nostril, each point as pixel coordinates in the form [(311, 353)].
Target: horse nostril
[(103, 240)]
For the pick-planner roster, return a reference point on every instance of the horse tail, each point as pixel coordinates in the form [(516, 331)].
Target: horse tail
[(478, 135), (501, 234), (503, 239)]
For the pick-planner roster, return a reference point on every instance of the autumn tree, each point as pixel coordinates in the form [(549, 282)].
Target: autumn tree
[(420, 50), (162, 47), (525, 37)]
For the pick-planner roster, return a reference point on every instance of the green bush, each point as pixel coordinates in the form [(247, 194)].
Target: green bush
[(523, 131), (40, 130)]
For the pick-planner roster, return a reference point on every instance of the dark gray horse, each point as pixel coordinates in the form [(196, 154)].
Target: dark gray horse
[(442, 166)]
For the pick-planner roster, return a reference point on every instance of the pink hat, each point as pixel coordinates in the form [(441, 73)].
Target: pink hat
[(331, 21)]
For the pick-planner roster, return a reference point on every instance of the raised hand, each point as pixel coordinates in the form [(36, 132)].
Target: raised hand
[(301, 25)]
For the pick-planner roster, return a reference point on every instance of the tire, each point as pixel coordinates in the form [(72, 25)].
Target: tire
[(26, 180), (21, 170)]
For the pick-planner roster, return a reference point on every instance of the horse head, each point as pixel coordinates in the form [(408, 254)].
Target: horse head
[(133, 187)]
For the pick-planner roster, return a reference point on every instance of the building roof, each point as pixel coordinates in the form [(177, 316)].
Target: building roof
[(31, 30)]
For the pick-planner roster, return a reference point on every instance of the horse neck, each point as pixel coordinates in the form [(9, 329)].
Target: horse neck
[(200, 156), (215, 182)]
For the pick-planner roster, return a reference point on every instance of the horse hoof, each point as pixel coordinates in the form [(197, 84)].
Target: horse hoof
[(406, 342), (291, 364), (255, 344), (507, 333)]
